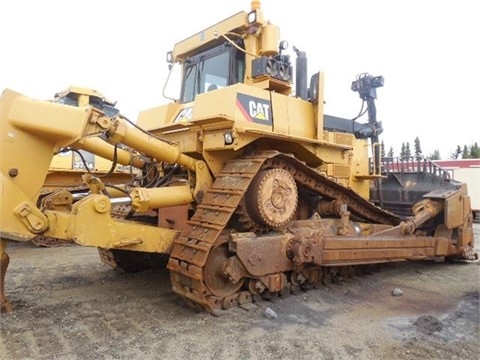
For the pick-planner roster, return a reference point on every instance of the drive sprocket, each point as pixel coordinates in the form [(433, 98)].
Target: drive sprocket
[(272, 198)]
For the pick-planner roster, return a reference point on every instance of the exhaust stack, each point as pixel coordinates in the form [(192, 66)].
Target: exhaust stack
[(301, 88)]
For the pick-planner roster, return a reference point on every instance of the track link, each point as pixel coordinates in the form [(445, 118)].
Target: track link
[(190, 250), (208, 225)]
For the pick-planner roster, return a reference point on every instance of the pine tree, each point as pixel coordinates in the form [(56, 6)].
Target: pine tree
[(402, 151), (475, 151), (465, 152), (417, 147), (390, 152), (408, 152), (382, 149), (457, 152), (435, 155)]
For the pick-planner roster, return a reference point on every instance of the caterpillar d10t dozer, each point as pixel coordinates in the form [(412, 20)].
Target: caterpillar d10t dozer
[(248, 189)]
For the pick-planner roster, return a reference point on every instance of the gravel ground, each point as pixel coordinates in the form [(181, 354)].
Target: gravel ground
[(68, 305)]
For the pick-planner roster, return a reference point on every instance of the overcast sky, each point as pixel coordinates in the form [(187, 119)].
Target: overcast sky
[(426, 50)]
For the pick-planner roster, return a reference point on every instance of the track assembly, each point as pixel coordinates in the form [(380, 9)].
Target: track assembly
[(205, 263)]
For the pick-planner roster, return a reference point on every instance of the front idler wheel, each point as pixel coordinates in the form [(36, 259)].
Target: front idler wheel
[(214, 275)]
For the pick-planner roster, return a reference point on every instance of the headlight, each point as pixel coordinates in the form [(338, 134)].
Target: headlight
[(228, 138)]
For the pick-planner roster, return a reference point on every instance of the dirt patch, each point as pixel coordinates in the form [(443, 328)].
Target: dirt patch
[(428, 324), (68, 305)]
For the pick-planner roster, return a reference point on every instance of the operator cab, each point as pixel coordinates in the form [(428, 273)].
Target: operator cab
[(78, 96), (211, 69), (243, 48)]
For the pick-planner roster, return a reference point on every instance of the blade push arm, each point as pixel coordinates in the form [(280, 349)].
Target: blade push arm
[(32, 131)]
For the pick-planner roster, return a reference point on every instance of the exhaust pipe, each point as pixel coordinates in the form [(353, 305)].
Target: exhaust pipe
[(301, 89)]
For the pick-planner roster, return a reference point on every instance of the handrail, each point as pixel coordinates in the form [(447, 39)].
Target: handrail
[(411, 164)]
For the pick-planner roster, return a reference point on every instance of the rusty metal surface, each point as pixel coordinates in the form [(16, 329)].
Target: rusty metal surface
[(173, 217), (359, 207), (272, 198), (214, 276), (192, 249), (256, 256), (5, 305), (45, 241)]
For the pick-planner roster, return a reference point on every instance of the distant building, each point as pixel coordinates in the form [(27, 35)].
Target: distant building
[(467, 171)]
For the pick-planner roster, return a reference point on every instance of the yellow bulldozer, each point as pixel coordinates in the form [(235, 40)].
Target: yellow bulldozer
[(242, 183)]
